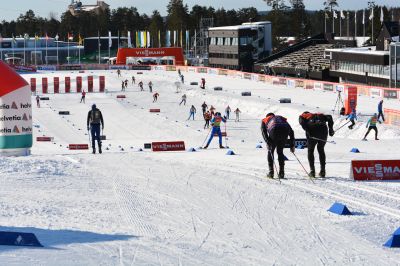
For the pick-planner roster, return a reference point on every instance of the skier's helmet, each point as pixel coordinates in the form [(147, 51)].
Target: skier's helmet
[(270, 114), (94, 106), (217, 114)]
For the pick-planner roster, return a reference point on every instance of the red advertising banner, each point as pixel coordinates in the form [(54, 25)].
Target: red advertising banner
[(375, 170), (90, 83), (33, 84), (350, 93), (67, 84), (121, 96), (392, 117), (56, 85), (78, 84), (78, 146), (102, 83), (44, 139), (155, 110), (44, 85), (168, 146)]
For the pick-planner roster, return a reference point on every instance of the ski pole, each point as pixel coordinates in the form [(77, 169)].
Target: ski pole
[(342, 126), (226, 137), (273, 160), (302, 166), (327, 141), (206, 137)]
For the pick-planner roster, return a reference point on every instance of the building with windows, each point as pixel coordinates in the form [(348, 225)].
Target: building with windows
[(76, 7), (364, 65), (238, 47), (395, 65), (40, 51)]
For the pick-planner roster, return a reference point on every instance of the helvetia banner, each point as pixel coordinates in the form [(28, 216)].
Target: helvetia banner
[(15, 112)]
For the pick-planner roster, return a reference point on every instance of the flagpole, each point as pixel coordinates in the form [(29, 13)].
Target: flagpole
[(68, 48), (57, 50), (348, 24), (79, 49), (340, 23), (333, 21), (364, 24), (355, 24), (46, 49), (35, 50), (98, 34), (24, 50), (325, 21), (372, 40)]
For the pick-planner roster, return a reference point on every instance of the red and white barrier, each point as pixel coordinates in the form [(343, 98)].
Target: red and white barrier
[(78, 84), (382, 170), (78, 146), (33, 84), (67, 85), (56, 81), (45, 85), (168, 146), (44, 139)]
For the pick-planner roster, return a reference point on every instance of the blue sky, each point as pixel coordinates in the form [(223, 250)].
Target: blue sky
[(11, 9)]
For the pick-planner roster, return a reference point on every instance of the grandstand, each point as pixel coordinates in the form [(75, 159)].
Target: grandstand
[(305, 59)]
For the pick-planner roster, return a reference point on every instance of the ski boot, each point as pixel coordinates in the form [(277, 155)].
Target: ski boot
[(94, 151), (312, 174), (100, 151), (221, 147), (376, 139), (281, 174), (322, 173), (270, 174), (205, 147)]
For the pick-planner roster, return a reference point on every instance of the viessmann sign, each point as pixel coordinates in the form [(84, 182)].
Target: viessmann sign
[(375, 170), (148, 53)]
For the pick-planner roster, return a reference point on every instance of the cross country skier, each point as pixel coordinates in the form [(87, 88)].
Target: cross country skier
[(179, 72), (227, 111), (126, 83), (204, 107), (276, 130), (380, 111), (150, 86), (155, 97), (192, 112), (123, 86), (83, 96), (119, 72), (183, 79), (203, 83), (352, 116), (207, 118), (94, 120), (317, 133), (133, 80), (212, 109), (183, 100), (372, 126), (37, 101), (216, 129), (237, 113), (141, 86)]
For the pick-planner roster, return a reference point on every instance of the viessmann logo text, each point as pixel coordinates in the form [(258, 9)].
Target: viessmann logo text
[(378, 170), (149, 53)]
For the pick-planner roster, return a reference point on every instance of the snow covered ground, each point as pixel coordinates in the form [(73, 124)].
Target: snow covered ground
[(202, 208)]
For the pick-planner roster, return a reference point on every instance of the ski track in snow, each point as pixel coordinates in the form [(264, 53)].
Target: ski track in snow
[(202, 208)]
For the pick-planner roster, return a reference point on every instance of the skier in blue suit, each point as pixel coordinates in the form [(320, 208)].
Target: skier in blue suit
[(216, 129)]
